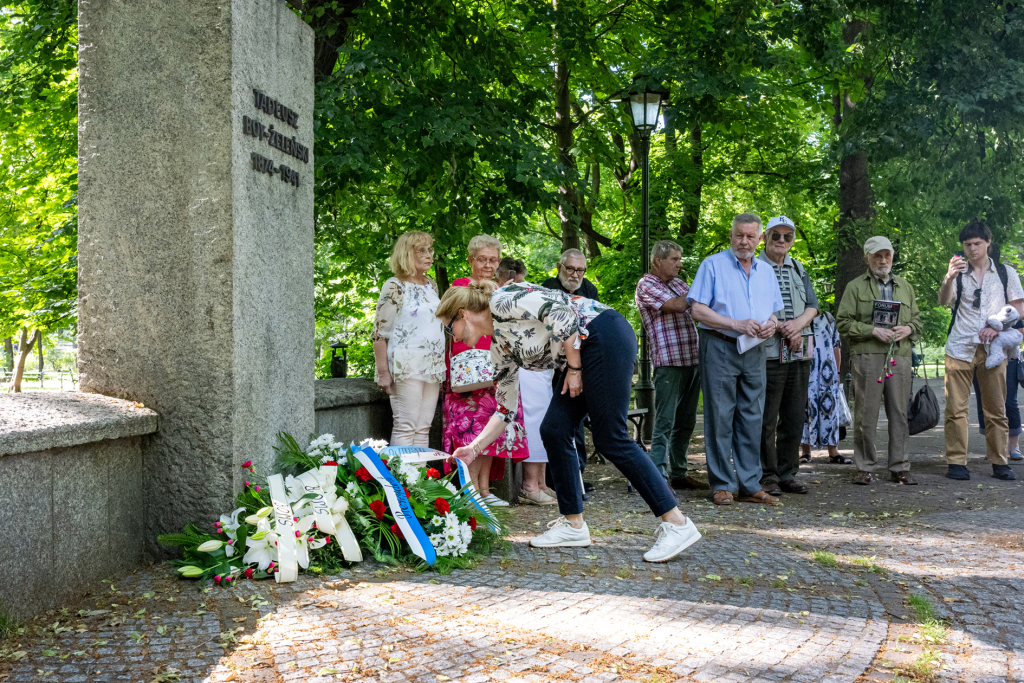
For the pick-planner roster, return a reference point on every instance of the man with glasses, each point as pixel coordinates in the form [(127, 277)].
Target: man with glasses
[(871, 338), (977, 287), (571, 269), (788, 369), (572, 266)]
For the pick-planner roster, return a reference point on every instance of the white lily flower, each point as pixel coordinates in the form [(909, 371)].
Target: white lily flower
[(229, 523), (302, 545), (263, 551), (210, 546)]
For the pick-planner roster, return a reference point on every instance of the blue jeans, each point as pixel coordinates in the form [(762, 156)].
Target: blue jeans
[(733, 386), (607, 357), (1012, 409)]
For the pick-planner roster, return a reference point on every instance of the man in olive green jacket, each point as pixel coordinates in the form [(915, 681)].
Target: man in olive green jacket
[(871, 336)]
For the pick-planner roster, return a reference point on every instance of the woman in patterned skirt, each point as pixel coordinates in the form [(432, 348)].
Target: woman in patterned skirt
[(823, 412)]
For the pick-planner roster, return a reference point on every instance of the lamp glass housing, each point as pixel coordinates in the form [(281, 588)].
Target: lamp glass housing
[(645, 108)]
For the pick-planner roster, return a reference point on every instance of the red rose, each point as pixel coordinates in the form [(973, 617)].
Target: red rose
[(329, 463), (385, 463), (432, 473), (441, 505), (407, 494), (378, 508), (396, 531), (472, 523), (363, 474)]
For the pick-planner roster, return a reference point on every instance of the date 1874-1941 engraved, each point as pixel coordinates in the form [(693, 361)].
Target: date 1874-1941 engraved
[(261, 164)]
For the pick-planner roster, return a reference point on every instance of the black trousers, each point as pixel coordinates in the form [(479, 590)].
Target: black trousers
[(785, 411)]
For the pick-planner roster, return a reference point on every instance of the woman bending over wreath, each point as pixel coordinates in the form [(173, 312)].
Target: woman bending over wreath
[(592, 347)]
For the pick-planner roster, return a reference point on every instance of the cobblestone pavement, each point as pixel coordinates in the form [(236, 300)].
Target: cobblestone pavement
[(816, 589)]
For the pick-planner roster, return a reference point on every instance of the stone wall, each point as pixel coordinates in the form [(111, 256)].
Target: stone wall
[(72, 493), (353, 409)]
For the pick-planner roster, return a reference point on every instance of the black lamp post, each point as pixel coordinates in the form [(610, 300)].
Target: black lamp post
[(644, 110)]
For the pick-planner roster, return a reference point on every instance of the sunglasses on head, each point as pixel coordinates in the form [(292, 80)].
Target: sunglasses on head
[(787, 236), (448, 328)]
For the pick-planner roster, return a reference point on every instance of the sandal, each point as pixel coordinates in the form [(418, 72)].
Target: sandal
[(805, 458), (839, 460), (759, 497), (722, 498)]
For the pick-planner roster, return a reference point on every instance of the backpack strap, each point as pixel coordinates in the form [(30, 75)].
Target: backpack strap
[(1004, 277), (956, 304)]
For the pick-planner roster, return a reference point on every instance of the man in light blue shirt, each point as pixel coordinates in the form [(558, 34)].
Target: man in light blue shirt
[(734, 295)]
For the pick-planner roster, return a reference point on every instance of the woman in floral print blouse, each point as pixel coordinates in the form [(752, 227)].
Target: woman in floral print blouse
[(408, 344), (593, 348)]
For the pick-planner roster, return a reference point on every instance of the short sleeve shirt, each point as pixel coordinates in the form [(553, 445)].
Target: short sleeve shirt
[(963, 338), (672, 336), (723, 285), (530, 324)]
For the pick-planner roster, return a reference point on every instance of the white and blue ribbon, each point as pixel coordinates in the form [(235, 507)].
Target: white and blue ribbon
[(398, 504)]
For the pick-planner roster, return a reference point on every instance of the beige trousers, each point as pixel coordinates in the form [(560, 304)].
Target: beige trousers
[(870, 394), (959, 379), (413, 403)]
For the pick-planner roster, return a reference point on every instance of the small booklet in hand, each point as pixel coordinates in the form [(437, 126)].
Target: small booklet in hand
[(885, 313), (788, 354)]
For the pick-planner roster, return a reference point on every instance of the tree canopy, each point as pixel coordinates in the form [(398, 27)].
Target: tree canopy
[(852, 117)]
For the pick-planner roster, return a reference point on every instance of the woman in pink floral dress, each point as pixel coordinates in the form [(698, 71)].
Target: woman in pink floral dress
[(466, 413)]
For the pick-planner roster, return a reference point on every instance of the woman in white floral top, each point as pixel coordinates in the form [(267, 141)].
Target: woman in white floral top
[(408, 341), (593, 348)]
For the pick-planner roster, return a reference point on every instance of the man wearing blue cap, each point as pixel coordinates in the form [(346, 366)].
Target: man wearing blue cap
[(788, 367)]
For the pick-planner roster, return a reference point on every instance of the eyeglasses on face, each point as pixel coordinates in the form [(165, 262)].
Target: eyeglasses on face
[(787, 236), (574, 271), (424, 251), (483, 261), (977, 299)]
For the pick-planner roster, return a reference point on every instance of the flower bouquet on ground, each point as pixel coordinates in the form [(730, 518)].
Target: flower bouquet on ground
[(330, 503)]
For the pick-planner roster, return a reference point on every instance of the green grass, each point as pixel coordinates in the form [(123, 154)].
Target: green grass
[(933, 629), (825, 559), (624, 573), (923, 608), (744, 580), (9, 626), (920, 670)]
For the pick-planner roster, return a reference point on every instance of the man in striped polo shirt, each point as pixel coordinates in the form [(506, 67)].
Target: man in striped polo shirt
[(785, 399)]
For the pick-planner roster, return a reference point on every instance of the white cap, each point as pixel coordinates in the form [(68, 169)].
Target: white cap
[(877, 244), (780, 220)]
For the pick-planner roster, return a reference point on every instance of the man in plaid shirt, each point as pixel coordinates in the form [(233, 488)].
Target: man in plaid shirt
[(661, 300)]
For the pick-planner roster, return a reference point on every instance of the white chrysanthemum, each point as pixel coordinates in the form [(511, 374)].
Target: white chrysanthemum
[(375, 444), (437, 521), (448, 485), (410, 473), (467, 533)]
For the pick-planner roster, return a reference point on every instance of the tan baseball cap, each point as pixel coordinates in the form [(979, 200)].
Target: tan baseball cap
[(877, 244)]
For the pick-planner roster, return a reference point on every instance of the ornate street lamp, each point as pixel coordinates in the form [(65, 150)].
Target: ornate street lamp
[(644, 108)]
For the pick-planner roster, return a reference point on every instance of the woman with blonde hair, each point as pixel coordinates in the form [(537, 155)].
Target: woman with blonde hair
[(408, 343), (592, 347), (466, 412)]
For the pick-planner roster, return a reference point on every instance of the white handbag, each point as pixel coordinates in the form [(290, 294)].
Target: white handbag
[(472, 370)]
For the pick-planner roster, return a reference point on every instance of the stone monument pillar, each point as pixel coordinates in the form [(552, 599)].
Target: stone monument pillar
[(195, 239)]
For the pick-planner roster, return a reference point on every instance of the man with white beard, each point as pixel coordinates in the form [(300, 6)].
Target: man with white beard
[(735, 295), (874, 379)]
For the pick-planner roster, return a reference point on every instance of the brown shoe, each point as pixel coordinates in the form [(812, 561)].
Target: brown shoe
[(863, 478), (759, 497), (793, 487), (688, 482), (904, 478), (722, 498)]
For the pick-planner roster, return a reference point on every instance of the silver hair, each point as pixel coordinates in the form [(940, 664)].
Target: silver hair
[(664, 248), (483, 242), (569, 253), (747, 218)]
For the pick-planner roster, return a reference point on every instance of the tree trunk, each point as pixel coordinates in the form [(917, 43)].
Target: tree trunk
[(569, 203), (695, 184), (856, 200), (442, 278), (330, 30), (24, 349), (40, 360), (9, 354)]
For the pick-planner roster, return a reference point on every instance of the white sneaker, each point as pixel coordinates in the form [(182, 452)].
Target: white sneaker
[(495, 502), (561, 533), (672, 540)]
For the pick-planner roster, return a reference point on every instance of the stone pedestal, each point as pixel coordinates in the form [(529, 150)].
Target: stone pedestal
[(196, 235)]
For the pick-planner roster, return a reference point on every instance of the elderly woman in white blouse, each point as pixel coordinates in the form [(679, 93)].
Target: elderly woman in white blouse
[(408, 341), (592, 347)]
